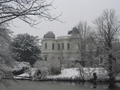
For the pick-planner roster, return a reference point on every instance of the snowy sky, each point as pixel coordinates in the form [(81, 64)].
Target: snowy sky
[(72, 11)]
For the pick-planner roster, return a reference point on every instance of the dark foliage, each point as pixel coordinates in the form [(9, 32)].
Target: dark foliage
[(55, 71), (26, 48), (21, 71)]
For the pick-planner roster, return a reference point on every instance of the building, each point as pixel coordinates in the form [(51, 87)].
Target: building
[(57, 47), (65, 48)]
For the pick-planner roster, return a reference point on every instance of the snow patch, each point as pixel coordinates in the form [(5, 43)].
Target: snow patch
[(74, 72), (87, 73), (19, 65), (66, 73)]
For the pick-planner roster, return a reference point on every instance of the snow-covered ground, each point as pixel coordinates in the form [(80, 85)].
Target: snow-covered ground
[(26, 75), (72, 73), (87, 73), (66, 73), (22, 76)]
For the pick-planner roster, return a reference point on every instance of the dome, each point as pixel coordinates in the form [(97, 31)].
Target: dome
[(74, 31), (49, 34)]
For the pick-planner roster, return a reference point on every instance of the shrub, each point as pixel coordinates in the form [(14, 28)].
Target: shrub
[(20, 67), (18, 72), (55, 71)]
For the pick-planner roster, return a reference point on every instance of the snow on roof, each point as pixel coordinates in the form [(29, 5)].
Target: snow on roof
[(64, 37)]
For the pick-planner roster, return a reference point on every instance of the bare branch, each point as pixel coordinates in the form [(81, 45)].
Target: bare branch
[(24, 9)]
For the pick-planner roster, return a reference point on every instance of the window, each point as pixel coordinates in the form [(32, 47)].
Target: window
[(68, 46), (45, 46), (52, 46), (62, 45), (58, 46), (45, 58)]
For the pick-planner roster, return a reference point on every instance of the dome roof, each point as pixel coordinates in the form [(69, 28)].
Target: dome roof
[(74, 31), (49, 34)]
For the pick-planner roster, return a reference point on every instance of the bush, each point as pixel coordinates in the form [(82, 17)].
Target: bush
[(55, 71), (18, 72), (20, 67)]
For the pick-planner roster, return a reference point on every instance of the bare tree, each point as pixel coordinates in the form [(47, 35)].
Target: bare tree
[(60, 58), (91, 50), (85, 46), (79, 39), (25, 10), (108, 27)]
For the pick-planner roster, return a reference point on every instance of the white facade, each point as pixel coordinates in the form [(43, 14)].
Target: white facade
[(65, 49), (60, 47)]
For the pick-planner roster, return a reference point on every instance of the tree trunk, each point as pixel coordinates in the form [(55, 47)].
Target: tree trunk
[(111, 76)]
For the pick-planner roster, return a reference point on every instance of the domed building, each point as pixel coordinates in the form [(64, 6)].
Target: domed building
[(57, 47), (63, 48)]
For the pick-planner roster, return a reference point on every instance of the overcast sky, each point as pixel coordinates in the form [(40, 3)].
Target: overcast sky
[(72, 11)]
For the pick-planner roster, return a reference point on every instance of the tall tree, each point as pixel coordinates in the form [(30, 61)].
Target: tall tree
[(26, 47), (6, 62), (108, 27), (30, 11), (78, 38), (25, 10), (91, 50)]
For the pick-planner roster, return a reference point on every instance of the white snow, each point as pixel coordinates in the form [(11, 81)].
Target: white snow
[(27, 75), (73, 72), (23, 75), (66, 73), (87, 73), (19, 65)]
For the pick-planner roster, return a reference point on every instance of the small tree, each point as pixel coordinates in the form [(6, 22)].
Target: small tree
[(26, 47), (54, 66), (43, 66)]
